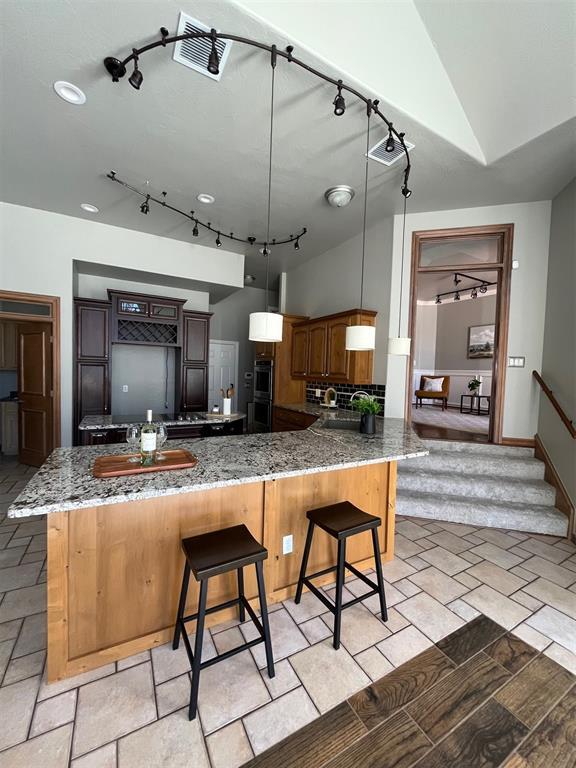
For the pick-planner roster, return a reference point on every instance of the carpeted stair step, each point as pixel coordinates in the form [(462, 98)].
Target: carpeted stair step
[(478, 464), (485, 449)]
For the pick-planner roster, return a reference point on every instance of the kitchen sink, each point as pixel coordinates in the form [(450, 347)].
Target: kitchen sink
[(341, 424)]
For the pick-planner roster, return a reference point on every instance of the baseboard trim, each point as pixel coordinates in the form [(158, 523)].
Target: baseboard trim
[(563, 502), (519, 442)]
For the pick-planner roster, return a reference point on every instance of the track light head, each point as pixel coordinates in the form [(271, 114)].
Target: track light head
[(218, 241), (136, 78), (483, 288), (213, 60), (297, 244), (145, 207), (115, 68), (339, 102), (457, 296), (438, 300), (195, 230), (265, 251), (473, 293), (406, 192), (390, 143), (457, 280)]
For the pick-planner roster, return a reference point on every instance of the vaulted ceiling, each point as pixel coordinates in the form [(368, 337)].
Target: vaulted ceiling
[(486, 92)]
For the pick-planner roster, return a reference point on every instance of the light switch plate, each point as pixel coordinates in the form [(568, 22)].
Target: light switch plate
[(124, 387), (287, 544), (516, 362)]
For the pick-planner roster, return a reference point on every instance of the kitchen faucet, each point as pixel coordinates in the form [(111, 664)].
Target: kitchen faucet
[(359, 392)]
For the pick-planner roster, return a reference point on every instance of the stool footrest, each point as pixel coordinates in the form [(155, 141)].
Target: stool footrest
[(329, 603)]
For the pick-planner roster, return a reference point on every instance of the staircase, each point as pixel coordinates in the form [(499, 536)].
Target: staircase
[(479, 484)]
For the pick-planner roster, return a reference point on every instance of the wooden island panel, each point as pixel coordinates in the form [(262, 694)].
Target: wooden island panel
[(114, 571)]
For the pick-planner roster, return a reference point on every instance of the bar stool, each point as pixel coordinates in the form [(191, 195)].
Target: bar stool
[(341, 521), (211, 554)]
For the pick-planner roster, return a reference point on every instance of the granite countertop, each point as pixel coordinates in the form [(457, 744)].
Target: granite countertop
[(101, 421), (65, 482)]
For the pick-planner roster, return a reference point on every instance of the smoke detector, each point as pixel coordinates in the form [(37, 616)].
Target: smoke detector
[(194, 53)]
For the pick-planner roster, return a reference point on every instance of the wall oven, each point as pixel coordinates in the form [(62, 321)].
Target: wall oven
[(262, 418), (263, 379)]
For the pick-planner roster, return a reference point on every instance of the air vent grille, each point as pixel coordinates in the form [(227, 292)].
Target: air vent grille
[(150, 333), (378, 152), (194, 53)]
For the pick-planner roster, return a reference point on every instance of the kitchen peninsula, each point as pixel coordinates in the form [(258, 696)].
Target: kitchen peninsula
[(114, 557)]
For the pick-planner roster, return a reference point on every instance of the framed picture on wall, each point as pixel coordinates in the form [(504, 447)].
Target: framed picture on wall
[(480, 341)]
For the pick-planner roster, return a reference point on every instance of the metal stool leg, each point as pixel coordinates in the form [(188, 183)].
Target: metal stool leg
[(192, 709), (304, 564), (181, 605), (339, 587), (379, 577), (264, 619), (241, 609)]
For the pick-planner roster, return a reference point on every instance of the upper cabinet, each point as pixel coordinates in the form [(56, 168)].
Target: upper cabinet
[(196, 336), (141, 319), (92, 340), (319, 349), (7, 346), (264, 350)]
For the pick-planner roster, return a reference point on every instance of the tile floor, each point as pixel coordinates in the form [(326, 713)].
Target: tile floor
[(133, 713)]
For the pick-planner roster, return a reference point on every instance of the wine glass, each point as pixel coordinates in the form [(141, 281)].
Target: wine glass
[(133, 440), (161, 437)]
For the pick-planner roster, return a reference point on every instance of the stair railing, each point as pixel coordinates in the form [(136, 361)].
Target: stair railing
[(558, 408)]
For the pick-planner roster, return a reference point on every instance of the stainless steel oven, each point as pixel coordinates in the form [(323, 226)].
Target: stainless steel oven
[(262, 416), (263, 379)]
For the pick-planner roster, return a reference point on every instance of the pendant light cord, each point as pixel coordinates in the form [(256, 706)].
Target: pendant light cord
[(402, 267), (267, 246), (365, 208)]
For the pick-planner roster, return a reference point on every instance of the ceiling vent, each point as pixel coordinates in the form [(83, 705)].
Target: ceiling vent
[(194, 53), (378, 152)]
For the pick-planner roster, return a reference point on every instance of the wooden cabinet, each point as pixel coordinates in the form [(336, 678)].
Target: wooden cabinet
[(264, 350), (92, 374), (287, 420), (196, 336), (8, 344), (92, 330), (140, 319), (195, 349), (319, 350), (92, 389), (194, 387), (9, 428)]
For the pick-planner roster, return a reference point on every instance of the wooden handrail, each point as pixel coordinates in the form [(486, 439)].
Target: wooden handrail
[(550, 395)]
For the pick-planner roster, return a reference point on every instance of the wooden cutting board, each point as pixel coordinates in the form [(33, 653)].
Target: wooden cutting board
[(117, 466)]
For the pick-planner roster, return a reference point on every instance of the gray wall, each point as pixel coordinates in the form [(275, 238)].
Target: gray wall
[(148, 375), (331, 283), (425, 341), (559, 359), (454, 319)]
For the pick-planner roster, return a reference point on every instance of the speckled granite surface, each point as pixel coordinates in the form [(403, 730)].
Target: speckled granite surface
[(114, 422), (65, 480)]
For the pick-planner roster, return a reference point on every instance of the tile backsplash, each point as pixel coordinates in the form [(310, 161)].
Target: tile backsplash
[(343, 392)]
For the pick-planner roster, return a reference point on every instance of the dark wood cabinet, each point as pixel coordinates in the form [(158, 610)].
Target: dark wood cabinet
[(184, 431), (196, 337), (264, 350), (194, 387), (195, 350), (92, 339), (92, 388), (92, 373)]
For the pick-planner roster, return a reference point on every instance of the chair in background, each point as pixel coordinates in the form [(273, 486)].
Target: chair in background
[(425, 394)]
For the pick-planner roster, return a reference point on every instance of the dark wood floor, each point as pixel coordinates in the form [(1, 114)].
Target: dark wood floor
[(480, 698), (434, 432)]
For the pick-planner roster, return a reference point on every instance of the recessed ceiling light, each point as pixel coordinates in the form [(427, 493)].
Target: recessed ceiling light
[(203, 197), (249, 278), (339, 196), (89, 208), (69, 92)]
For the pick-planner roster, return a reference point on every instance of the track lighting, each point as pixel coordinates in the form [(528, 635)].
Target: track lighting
[(339, 103), (136, 77), (473, 293), (405, 191), (145, 207), (390, 143), (213, 60), (195, 230), (438, 300), (483, 288), (218, 241), (457, 280), (457, 296), (297, 244)]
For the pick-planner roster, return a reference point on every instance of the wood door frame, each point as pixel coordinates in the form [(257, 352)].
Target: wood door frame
[(54, 320), (504, 270)]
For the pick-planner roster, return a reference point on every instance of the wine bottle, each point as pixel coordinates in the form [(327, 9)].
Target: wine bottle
[(148, 435)]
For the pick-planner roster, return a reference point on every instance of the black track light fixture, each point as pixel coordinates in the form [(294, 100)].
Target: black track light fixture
[(195, 230), (297, 244), (483, 288), (457, 280), (115, 68), (438, 300), (473, 293), (218, 241), (136, 77), (213, 60), (339, 102), (405, 191), (457, 296), (145, 207), (390, 143)]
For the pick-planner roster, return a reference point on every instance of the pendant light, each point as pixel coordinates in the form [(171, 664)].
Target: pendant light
[(400, 345), (267, 326), (363, 337)]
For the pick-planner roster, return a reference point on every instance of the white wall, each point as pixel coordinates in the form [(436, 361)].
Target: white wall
[(96, 287), (425, 344), (37, 250), (330, 283), (527, 303), (559, 363)]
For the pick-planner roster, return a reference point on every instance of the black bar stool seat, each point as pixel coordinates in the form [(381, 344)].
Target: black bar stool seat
[(211, 554), (340, 521)]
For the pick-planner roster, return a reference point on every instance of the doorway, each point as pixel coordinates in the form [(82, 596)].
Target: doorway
[(460, 286), (31, 348), (222, 372)]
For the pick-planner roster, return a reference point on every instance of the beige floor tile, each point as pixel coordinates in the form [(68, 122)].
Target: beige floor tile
[(5, 654), (396, 621), (565, 658), (24, 541), (33, 635), (168, 663), (502, 557), (230, 638), (458, 529), (329, 676), (173, 694), (315, 630), (497, 606), (441, 586), (26, 666), (496, 577), (112, 707), (531, 636), (10, 630), (411, 531), (553, 595), (374, 663), (17, 706), (471, 558), (445, 561), (473, 539), (132, 661), (561, 576), (396, 569), (462, 609), (229, 690), (500, 539), (11, 557), (404, 645), (359, 629), (51, 750), (284, 680), (53, 689), (23, 602), (450, 541), (407, 587), (555, 625), (279, 719), (527, 601), (547, 551), (405, 548), (430, 617), (308, 607), (522, 573), (54, 712), (32, 528), (468, 581), (229, 747), (417, 563), (171, 741), (393, 595), (105, 757), (286, 637)]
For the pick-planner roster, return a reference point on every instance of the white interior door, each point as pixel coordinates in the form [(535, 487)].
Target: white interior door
[(222, 372)]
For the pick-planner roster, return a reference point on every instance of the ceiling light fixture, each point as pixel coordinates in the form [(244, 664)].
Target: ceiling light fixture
[(297, 244), (89, 208), (136, 77), (70, 92), (213, 60), (195, 230), (484, 287), (457, 280), (474, 293), (363, 337), (390, 143), (339, 196), (267, 326), (205, 198), (218, 241), (400, 345), (145, 207), (249, 279), (438, 300), (474, 289), (339, 102), (457, 296)]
